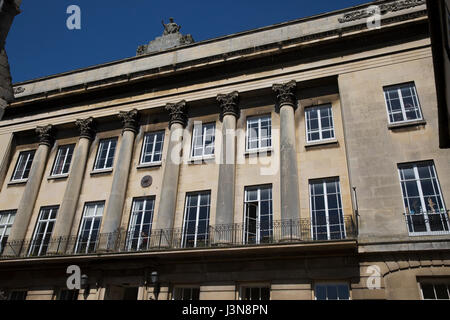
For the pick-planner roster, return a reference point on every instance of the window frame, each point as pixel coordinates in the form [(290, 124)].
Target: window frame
[(144, 143), (68, 146), (245, 235), (204, 128), (320, 131), (333, 283), (132, 223), (11, 215), (182, 289), (101, 141), (83, 223), (46, 222), (184, 233), (434, 282), (247, 134), (324, 182), (402, 105), (260, 287), (22, 179)]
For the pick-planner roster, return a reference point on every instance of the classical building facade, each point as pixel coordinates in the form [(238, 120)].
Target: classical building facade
[(296, 161)]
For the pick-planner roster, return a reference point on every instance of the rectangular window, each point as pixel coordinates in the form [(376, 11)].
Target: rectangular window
[(43, 231), (259, 133), (186, 294), (105, 154), (63, 160), (402, 103), (203, 138), (327, 217), (325, 291), (17, 295), (422, 198), (319, 123), (152, 148), (90, 227), (140, 226), (255, 293), (258, 220), (68, 295), (196, 219), (435, 291), (6, 222), (23, 166)]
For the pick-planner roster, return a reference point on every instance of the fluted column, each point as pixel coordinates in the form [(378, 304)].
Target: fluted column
[(66, 213), (114, 207), (229, 104), (28, 200), (290, 203), (169, 189)]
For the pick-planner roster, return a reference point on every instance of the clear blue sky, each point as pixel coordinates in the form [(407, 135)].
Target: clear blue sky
[(39, 43)]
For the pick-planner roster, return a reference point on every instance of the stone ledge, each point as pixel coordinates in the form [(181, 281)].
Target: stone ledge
[(149, 165), (321, 143), (406, 124)]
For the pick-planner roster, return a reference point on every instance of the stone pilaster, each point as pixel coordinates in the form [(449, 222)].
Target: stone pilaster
[(26, 206), (114, 206), (66, 213), (290, 203), (229, 105), (167, 204)]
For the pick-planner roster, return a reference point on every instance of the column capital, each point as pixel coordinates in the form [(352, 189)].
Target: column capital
[(177, 113), (86, 127), (285, 93), (129, 120), (229, 104), (45, 134)]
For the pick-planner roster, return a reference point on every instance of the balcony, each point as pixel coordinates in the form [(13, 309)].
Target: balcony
[(428, 223), (223, 236)]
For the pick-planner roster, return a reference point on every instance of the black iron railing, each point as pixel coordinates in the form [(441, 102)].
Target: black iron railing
[(276, 232), (424, 223)]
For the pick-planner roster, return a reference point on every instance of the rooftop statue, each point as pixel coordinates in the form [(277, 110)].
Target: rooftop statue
[(171, 27)]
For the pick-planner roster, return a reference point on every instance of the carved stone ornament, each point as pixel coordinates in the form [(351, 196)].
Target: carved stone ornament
[(177, 113), (45, 134), (130, 120), (285, 93), (146, 181), (86, 127), (383, 9), (229, 104), (19, 90)]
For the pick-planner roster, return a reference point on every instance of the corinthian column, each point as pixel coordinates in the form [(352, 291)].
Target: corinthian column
[(116, 201), (167, 204), (227, 169), (290, 203), (66, 213), (26, 206)]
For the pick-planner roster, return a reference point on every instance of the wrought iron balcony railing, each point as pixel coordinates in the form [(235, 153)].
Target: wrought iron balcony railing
[(277, 232), (428, 223)]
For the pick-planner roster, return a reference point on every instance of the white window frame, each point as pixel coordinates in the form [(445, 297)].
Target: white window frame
[(422, 197), (327, 215), (197, 217), (319, 119), (11, 214), (64, 158), (146, 138), (46, 222), (97, 158), (332, 284), (402, 105), (243, 296), (204, 128), (247, 133), (28, 154), (434, 283), (258, 217), (96, 205), (133, 222)]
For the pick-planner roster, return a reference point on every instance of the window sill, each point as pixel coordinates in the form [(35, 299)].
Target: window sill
[(17, 182), (406, 124), (201, 160), (149, 165), (94, 172), (321, 143), (265, 151), (57, 177)]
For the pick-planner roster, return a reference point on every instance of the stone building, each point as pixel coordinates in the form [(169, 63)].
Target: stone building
[(295, 161)]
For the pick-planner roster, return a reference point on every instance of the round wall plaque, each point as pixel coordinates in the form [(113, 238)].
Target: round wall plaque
[(146, 181)]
